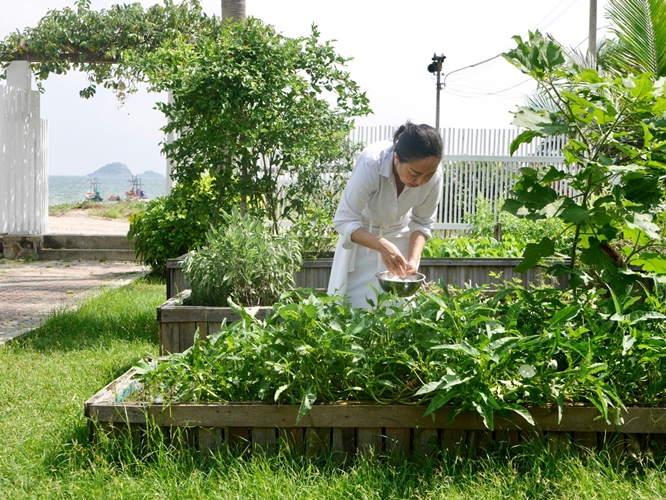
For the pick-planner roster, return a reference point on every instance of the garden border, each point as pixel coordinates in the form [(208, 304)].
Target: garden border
[(348, 428)]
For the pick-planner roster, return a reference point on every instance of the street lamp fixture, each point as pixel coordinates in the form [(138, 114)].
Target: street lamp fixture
[(436, 67)]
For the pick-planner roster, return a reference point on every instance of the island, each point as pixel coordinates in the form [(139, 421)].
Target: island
[(112, 169)]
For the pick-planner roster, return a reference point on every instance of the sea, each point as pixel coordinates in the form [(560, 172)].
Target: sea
[(73, 188)]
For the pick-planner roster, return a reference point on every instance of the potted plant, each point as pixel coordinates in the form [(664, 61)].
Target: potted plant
[(242, 264)]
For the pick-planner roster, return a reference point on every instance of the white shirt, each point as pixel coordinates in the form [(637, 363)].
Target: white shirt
[(371, 200)]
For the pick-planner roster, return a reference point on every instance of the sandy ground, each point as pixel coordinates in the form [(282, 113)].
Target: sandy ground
[(81, 223)]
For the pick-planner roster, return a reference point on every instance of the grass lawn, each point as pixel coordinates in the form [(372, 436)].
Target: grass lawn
[(46, 376)]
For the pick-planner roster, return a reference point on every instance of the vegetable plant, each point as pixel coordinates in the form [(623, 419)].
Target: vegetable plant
[(496, 355)]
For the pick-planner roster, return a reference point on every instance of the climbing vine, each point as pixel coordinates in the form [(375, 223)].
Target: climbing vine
[(105, 44)]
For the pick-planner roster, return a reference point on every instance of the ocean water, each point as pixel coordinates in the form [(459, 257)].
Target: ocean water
[(73, 188)]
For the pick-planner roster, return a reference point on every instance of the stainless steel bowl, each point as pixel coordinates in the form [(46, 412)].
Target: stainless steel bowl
[(403, 287)]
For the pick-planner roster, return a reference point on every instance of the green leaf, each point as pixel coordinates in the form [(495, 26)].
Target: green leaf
[(308, 399), (563, 316), (520, 410), (533, 254), (440, 399)]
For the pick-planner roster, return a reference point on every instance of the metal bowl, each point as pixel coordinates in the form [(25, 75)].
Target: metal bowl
[(402, 287)]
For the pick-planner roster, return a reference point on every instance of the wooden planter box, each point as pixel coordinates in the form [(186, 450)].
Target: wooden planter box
[(347, 429), (459, 272), (178, 323)]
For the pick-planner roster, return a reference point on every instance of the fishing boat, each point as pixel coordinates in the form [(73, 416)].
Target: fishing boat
[(135, 192), (93, 193)]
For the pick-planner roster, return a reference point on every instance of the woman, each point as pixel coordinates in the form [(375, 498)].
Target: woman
[(387, 209)]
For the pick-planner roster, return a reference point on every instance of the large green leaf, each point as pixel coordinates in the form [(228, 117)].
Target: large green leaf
[(533, 254)]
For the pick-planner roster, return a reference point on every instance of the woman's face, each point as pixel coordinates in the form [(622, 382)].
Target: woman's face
[(417, 172)]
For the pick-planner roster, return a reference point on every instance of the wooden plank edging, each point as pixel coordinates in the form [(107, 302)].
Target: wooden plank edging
[(103, 408)]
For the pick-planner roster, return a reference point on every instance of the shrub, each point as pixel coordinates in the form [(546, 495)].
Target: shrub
[(173, 225), (242, 261)]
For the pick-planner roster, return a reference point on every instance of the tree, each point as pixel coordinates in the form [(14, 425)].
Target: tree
[(640, 27), (252, 100), (616, 158), (233, 9)]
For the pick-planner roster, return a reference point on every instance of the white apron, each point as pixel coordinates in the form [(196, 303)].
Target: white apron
[(354, 270)]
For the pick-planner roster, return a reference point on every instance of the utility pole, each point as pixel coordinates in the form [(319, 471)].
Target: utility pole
[(436, 67), (592, 38)]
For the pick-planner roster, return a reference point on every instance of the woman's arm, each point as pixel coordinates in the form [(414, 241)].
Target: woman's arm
[(393, 259), (417, 241)]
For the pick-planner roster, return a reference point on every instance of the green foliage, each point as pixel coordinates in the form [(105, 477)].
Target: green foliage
[(524, 230), (243, 262), (171, 226), (253, 109), (615, 161), (640, 28), (313, 198), (462, 247), (491, 355), (79, 39)]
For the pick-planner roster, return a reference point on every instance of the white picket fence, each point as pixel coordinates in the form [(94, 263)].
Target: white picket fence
[(23, 163), (476, 163)]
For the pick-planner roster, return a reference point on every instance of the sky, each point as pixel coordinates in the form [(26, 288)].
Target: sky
[(391, 43)]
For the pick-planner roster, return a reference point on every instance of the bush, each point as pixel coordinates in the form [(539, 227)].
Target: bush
[(483, 222), (243, 261), (173, 225)]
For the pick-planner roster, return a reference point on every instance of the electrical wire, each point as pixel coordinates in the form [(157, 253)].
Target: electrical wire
[(497, 93)]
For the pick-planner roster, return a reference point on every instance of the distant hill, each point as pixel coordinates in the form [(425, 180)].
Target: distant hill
[(116, 169), (150, 173)]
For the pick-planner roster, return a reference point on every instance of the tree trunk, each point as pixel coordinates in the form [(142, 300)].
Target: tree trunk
[(233, 9)]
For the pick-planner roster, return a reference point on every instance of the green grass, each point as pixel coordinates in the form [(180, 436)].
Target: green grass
[(115, 210), (46, 376)]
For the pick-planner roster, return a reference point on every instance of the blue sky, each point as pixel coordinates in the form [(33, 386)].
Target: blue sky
[(392, 43)]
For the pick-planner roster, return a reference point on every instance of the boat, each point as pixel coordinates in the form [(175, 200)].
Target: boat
[(93, 193), (113, 197), (135, 192)]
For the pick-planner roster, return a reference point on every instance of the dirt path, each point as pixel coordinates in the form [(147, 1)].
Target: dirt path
[(80, 222)]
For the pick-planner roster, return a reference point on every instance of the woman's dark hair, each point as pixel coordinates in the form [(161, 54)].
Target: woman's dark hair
[(413, 142)]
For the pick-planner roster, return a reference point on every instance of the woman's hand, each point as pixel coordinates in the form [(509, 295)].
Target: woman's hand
[(412, 267), (394, 261)]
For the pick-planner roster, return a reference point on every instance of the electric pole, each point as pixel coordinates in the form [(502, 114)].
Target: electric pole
[(592, 38), (436, 67)]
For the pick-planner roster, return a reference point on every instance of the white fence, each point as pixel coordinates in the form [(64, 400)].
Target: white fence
[(23, 163), (476, 163)]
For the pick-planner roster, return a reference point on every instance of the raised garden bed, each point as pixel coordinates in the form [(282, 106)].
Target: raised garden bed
[(458, 272), (179, 322), (347, 429)]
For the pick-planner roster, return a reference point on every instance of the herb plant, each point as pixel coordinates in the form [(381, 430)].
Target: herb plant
[(242, 261)]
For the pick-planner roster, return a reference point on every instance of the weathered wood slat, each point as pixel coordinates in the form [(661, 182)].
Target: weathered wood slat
[(186, 337), (237, 438), (453, 441), (263, 439), (587, 440), (211, 439), (293, 438), (317, 441), (369, 441), (398, 441), (426, 443), (343, 444), (575, 419)]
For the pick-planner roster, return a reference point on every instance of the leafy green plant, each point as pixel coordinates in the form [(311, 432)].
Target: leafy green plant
[(462, 247), (615, 161), (490, 354), (171, 226), (251, 107), (483, 222), (243, 262)]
